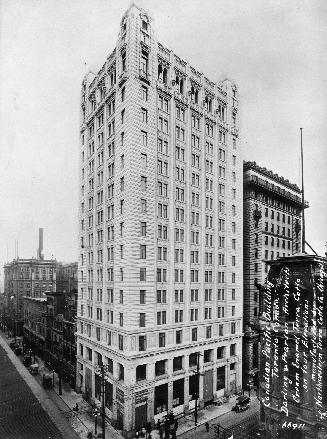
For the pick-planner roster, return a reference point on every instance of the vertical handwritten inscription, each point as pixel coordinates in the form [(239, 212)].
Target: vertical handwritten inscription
[(317, 373), (286, 380)]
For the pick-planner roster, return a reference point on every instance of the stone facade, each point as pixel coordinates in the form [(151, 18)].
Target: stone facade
[(160, 268), (272, 229), (26, 277)]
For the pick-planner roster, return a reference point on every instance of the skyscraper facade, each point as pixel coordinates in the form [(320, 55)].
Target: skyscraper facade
[(272, 229), (160, 232)]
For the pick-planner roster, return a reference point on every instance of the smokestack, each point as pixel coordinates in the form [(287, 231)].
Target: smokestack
[(40, 255)]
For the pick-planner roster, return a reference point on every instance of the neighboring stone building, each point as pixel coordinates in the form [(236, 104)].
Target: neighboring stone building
[(293, 377), (272, 229), (29, 278), (160, 232)]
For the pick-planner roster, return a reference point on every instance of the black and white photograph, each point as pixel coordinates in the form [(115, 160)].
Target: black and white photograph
[(163, 221)]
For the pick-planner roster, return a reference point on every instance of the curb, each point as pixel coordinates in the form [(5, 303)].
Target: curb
[(48, 406)]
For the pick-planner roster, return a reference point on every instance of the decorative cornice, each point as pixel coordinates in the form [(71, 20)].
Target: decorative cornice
[(209, 93), (163, 61), (195, 83), (180, 61), (264, 171), (196, 109), (210, 119), (222, 101), (164, 89), (209, 83), (195, 72), (180, 73), (163, 50), (182, 100)]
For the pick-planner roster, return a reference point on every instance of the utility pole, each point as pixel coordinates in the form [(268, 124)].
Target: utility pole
[(303, 219), (198, 374), (103, 402), (60, 368), (102, 370)]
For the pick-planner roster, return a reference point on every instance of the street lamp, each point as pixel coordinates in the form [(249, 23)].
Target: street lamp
[(96, 413), (101, 370)]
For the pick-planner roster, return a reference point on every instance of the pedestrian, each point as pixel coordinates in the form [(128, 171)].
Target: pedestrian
[(161, 431), (76, 408), (176, 424), (207, 426)]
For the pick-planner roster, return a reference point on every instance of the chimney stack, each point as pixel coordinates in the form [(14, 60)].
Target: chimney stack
[(40, 255)]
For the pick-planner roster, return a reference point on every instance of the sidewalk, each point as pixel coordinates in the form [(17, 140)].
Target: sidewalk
[(83, 421), (211, 412)]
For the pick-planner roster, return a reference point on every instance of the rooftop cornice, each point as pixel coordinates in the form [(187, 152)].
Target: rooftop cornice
[(247, 166)]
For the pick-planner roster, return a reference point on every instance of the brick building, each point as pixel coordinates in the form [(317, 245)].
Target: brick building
[(160, 232), (272, 229), (60, 351), (25, 277), (35, 324)]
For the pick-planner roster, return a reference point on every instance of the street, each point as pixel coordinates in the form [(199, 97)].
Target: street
[(21, 415), (240, 423)]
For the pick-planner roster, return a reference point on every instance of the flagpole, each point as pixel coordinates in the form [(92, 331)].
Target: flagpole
[(303, 219)]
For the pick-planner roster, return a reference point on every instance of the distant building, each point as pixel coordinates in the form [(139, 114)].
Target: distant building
[(49, 331), (160, 232), (60, 351), (272, 229), (66, 277), (29, 278), (293, 377), (35, 323)]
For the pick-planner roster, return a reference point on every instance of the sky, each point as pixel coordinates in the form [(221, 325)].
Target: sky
[(274, 50)]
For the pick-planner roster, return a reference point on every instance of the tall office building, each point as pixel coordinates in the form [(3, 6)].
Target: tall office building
[(272, 229), (160, 220)]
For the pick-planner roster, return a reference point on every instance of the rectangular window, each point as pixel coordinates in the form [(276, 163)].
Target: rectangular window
[(142, 251), (142, 342), (142, 297), (143, 274), (142, 319)]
